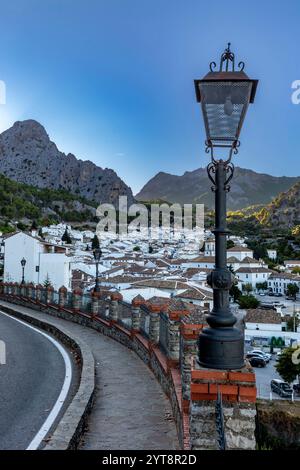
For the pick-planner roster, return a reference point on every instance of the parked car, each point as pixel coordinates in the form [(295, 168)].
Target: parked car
[(296, 388), (259, 354), (271, 294), (262, 294), (277, 294), (257, 361), (268, 356), (281, 388)]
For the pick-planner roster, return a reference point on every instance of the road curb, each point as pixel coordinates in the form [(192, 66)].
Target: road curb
[(71, 426)]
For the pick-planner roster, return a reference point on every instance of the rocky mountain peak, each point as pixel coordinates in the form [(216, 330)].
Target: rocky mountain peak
[(27, 155)]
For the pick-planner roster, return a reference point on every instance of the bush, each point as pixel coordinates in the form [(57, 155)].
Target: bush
[(248, 301)]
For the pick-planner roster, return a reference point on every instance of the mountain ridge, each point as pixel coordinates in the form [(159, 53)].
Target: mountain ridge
[(248, 187)]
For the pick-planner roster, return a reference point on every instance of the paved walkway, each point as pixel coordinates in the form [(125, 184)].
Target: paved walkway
[(130, 410)]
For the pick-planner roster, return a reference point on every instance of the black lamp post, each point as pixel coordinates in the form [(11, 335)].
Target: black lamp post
[(23, 262), (224, 96), (97, 255)]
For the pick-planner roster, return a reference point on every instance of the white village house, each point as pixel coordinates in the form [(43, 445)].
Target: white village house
[(252, 276), (43, 260), (278, 282)]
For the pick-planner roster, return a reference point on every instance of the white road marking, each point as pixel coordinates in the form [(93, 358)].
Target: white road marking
[(36, 441)]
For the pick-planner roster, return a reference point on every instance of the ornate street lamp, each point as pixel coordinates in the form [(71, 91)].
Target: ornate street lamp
[(224, 96), (97, 255), (23, 262)]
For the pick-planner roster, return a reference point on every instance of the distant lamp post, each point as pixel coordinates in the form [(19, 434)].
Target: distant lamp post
[(224, 96), (23, 262), (97, 255)]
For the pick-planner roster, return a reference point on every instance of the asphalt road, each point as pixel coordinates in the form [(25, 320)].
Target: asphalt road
[(30, 383), (264, 375)]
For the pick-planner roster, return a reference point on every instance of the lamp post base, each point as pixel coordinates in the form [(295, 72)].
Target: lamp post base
[(221, 348)]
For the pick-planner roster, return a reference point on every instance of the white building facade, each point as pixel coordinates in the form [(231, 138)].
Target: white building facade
[(43, 261)]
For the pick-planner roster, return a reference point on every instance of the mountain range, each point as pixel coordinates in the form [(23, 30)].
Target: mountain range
[(50, 183), (27, 155), (247, 188)]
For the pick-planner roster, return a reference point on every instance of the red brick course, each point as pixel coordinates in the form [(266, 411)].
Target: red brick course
[(235, 386)]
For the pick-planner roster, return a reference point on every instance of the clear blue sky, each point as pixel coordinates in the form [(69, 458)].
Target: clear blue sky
[(112, 80)]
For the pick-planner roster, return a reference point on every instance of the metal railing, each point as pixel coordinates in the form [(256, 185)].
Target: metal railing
[(220, 428)]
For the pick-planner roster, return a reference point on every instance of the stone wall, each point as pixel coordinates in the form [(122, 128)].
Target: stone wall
[(238, 396)]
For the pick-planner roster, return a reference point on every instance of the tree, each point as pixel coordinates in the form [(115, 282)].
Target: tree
[(34, 225), (262, 285), (248, 301), (95, 242), (150, 250), (230, 244), (288, 364), (235, 292), (247, 287), (136, 248), (296, 270), (292, 290), (47, 282), (66, 237), (230, 267), (87, 248), (292, 323)]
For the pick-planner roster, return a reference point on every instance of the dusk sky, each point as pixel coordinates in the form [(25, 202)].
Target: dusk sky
[(112, 80)]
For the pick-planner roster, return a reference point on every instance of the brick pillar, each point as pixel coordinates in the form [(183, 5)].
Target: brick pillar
[(18, 289), (62, 295), (77, 299), (15, 288), (238, 400), (189, 333), (30, 290), (175, 311), (136, 312), (49, 295), (114, 306), (33, 292), (39, 292), (106, 313), (26, 290), (95, 303), (154, 313)]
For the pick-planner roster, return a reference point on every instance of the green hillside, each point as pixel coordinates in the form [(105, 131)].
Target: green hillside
[(20, 204)]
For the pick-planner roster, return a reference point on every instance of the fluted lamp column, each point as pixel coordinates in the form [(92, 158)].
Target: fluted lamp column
[(224, 96)]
